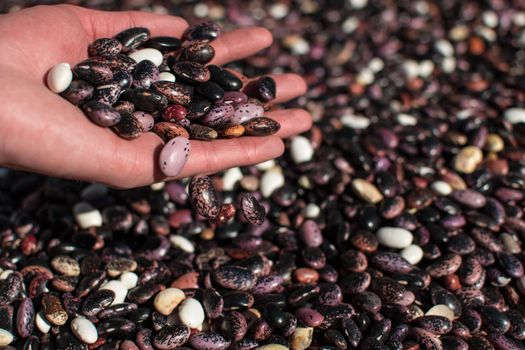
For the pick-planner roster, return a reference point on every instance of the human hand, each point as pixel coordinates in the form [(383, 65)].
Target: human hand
[(42, 132)]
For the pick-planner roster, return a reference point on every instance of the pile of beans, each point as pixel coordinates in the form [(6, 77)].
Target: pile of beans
[(395, 223), (134, 84)]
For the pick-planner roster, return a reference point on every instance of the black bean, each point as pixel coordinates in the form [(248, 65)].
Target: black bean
[(225, 79), (192, 71), (117, 310), (164, 43), (132, 38), (97, 302), (117, 327), (145, 74), (233, 277), (145, 100), (266, 89), (128, 126), (211, 90), (203, 31), (494, 320)]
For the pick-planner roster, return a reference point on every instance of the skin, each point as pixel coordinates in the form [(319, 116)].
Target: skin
[(41, 132)]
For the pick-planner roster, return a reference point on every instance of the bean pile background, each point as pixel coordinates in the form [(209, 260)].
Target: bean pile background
[(395, 223)]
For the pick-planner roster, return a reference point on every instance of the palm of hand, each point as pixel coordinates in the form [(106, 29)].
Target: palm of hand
[(44, 133)]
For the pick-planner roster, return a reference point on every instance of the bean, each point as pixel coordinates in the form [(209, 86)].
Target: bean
[(208, 341), (25, 318), (132, 38), (97, 301), (233, 277), (396, 222), (204, 197), (203, 31)]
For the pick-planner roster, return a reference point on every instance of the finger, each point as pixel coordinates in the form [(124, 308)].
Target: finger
[(135, 163), (240, 43), (213, 156), (137, 160), (103, 24), (293, 121)]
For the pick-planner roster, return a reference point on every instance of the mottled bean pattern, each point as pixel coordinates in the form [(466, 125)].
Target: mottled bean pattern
[(426, 109)]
